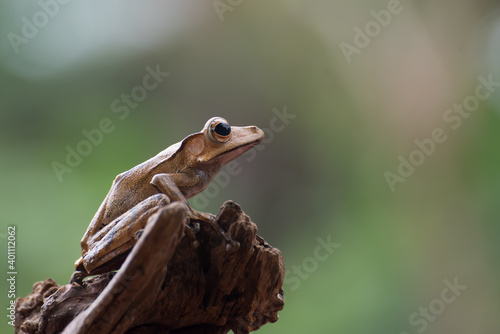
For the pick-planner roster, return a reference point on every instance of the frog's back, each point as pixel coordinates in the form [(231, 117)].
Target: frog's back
[(133, 186)]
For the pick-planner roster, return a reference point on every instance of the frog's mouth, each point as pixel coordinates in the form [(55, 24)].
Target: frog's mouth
[(242, 149), (235, 152)]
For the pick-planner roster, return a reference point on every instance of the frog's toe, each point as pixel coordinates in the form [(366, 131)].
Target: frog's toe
[(202, 216)]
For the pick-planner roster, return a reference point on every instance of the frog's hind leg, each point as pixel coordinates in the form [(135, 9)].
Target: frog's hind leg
[(122, 233)]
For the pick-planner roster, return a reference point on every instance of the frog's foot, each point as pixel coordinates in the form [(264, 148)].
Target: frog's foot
[(202, 216)]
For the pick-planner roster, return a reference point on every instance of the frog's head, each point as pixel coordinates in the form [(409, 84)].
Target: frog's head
[(218, 143)]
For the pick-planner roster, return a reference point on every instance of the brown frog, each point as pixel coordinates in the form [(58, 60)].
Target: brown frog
[(179, 172)]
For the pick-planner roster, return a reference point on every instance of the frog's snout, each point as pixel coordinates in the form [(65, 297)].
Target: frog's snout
[(257, 131)]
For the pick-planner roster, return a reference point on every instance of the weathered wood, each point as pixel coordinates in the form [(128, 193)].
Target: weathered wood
[(212, 279)]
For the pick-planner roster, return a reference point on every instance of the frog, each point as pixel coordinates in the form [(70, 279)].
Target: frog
[(177, 173)]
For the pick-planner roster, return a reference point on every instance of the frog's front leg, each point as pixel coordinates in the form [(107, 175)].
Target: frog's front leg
[(121, 234), (169, 185)]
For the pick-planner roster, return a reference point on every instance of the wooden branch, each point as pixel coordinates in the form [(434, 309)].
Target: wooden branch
[(211, 279)]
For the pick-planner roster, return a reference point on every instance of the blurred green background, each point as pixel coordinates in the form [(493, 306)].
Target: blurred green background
[(322, 175)]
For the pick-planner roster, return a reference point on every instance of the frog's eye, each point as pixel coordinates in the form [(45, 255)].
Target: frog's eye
[(219, 130)]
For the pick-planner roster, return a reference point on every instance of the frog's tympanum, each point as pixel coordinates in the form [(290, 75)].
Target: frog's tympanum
[(175, 174)]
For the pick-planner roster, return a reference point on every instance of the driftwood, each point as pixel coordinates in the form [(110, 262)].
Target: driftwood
[(182, 277)]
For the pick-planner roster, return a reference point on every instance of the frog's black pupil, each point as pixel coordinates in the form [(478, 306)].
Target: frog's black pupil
[(222, 129)]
